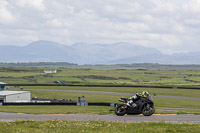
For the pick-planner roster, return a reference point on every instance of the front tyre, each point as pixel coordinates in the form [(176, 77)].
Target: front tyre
[(121, 110), (148, 110)]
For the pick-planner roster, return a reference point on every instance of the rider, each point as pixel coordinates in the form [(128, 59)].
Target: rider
[(137, 96)]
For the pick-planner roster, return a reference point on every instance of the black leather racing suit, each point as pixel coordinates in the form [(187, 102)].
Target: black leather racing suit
[(133, 99)]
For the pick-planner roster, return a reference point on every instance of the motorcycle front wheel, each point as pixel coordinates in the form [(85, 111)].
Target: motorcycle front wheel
[(148, 111), (121, 110)]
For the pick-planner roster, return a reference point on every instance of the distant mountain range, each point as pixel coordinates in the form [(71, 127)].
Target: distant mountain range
[(83, 53)]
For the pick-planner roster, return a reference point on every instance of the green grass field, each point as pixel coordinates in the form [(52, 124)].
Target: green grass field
[(161, 102), (99, 76), (57, 109), (94, 76), (59, 126), (132, 90)]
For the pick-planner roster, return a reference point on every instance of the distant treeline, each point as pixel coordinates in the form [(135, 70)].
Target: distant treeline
[(136, 66), (38, 64), (144, 66), (151, 66)]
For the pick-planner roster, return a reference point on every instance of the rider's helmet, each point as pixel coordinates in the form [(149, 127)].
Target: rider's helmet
[(145, 94)]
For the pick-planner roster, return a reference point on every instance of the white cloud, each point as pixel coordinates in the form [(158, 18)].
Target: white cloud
[(167, 25), (35, 4), (192, 6), (5, 15), (55, 23)]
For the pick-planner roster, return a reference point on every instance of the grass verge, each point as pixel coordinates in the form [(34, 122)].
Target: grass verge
[(46, 109), (94, 126)]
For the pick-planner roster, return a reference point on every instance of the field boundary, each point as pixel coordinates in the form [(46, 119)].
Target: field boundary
[(110, 85)]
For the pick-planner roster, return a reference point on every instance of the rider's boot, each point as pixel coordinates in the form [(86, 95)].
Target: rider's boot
[(129, 103)]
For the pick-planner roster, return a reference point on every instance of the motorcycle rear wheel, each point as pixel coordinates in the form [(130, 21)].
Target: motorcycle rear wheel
[(120, 111)]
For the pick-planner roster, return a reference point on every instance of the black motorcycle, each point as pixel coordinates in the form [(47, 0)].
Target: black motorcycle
[(143, 106)]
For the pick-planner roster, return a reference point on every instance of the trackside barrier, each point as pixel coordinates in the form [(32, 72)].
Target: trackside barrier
[(82, 104), (78, 104), (7, 104), (113, 104)]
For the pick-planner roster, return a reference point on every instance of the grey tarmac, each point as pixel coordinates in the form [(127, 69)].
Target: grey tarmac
[(88, 117)]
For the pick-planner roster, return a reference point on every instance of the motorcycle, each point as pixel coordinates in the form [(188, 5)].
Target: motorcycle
[(143, 106)]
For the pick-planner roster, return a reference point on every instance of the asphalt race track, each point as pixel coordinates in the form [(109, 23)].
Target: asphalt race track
[(87, 117)]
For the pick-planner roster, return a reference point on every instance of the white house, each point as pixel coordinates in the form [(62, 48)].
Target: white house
[(50, 71)]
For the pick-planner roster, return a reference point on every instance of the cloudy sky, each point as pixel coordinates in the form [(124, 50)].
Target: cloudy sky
[(168, 25)]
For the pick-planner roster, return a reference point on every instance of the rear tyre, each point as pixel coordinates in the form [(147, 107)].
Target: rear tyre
[(121, 110), (148, 111)]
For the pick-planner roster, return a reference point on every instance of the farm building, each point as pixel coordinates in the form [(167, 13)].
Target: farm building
[(15, 96)]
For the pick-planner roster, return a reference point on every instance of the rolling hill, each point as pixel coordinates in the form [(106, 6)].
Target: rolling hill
[(83, 53)]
